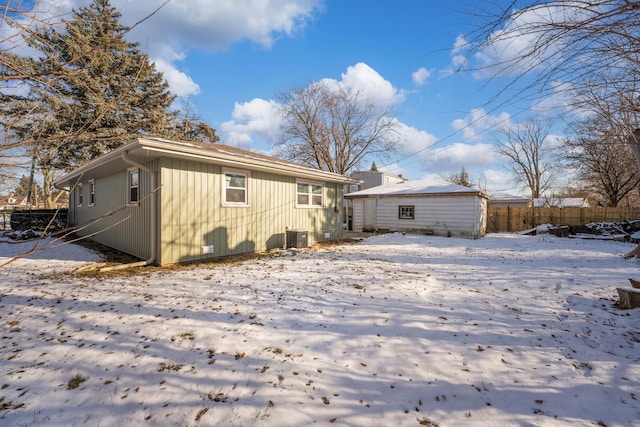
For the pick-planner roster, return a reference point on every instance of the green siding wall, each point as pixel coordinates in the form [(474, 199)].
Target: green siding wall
[(116, 225), (192, 213)]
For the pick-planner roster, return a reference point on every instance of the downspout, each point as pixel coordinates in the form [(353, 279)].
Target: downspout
[(152, 222)]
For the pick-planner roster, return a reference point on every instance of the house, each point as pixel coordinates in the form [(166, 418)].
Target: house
[(505, 200), (444, 209), (369, 179), (169, 202), (561, 202), (366, 179), (12, 201)]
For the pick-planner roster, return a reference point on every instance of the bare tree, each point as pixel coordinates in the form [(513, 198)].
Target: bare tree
[(586, 50), (334, 129), (460, 178), (581, 42), (603, 160), (531, 159)]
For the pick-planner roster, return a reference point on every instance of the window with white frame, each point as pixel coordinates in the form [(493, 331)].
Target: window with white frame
[(133, 184), (79, 194), (235, 191), (309, 194), (406, 212), (92, 193)]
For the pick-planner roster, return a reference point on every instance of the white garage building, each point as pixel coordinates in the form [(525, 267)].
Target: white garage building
[(442, 210)]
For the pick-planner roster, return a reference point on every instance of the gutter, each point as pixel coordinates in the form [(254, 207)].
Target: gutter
[(152, 222)]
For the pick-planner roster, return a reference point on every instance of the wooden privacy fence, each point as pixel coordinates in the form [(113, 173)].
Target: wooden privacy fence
[(518, 219)]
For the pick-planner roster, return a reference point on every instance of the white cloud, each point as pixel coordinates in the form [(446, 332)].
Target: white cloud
[(178, 26), (420, 76), (217, 25), (181, 84), (413, 141), (464, 155), (502, 181), (210, 26), (458, 59), (256, 118), (459, 45), (515, 49), (478, 121), (370, 84)]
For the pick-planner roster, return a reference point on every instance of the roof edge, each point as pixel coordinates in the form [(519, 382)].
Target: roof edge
[(216, 153)]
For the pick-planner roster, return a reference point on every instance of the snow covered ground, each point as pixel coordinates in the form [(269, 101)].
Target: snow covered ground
[(398, 330)]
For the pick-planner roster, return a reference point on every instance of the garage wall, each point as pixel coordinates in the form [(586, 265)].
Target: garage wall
[(463, 216)]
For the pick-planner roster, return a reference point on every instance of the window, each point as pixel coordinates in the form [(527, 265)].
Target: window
[(92, 193), (235, 188), (309, 195), (406, 212), (353, 188), (79, 193), (133, 184)]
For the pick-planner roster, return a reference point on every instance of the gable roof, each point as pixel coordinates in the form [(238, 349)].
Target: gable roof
[(417, 188), (143, 150), (13, 200)]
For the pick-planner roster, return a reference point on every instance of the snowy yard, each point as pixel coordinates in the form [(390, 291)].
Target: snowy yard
[(398, 330)]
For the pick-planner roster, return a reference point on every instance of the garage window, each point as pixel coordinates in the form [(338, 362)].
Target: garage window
[(406, 212)]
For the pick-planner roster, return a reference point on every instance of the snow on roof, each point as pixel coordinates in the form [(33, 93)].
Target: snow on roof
[(561, 202), (413, 188), (499, 196)]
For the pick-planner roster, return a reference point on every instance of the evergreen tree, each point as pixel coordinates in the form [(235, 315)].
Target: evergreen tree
[(101, 90), (22, 189), (94, 91), (90, 91), (374, 167)]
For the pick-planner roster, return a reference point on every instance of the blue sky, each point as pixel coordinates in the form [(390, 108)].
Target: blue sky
[(231, 58)]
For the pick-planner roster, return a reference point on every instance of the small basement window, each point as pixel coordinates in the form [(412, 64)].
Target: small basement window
[(134, 185), (406, 212)]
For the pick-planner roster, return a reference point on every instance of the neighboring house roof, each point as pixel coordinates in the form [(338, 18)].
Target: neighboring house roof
[(362, 174), (503, 197), (147, 149), (416, 188), (561, 202), (12, 200)]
